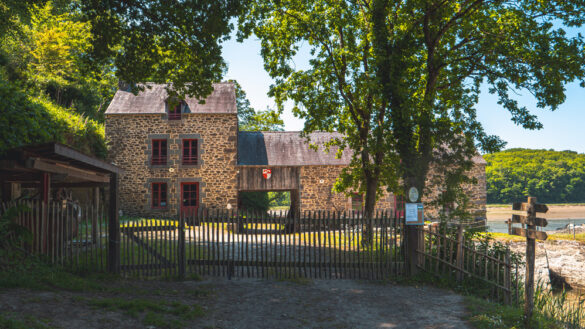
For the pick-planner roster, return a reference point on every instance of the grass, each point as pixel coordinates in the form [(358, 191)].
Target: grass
[(161, 314), (484, 314), (36, 275), (579, 237), (10, 321)]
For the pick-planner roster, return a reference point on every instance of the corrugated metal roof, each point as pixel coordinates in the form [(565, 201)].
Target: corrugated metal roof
[(152, 101), (287, 148)]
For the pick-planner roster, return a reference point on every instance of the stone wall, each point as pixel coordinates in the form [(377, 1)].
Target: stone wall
[(316, 193), (475, 192), (130, 139)]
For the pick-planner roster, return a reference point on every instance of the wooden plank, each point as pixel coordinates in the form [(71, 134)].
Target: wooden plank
[(523, 206), (532, 234), (282, 178), (58, 168), (542, 222)]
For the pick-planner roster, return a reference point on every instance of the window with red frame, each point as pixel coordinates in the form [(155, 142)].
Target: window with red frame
[(159, 152), (159, 195), (175, 111), (189, 151)]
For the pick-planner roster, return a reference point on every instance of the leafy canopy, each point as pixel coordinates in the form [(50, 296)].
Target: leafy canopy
[(401, 79), (162, 42)]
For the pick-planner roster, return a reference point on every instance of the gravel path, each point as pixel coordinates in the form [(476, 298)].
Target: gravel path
[(252, 303)]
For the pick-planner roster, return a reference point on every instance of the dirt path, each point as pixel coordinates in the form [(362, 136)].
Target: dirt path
[(250, 303)]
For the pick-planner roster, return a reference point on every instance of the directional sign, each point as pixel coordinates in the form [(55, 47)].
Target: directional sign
[(523, 206), (529, 233), (526, 220)]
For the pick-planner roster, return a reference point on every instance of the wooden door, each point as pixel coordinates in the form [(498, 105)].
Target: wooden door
[(189, 199)]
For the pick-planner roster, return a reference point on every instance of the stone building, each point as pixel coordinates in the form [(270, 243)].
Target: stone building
[(180, 156)]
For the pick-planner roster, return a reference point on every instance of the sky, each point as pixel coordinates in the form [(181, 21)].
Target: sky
[(564, 129)]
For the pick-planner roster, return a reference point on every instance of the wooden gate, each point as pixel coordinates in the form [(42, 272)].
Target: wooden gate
[(226, 243)]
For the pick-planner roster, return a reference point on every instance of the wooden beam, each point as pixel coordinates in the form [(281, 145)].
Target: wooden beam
[(532, 234), (78, 156), (542, 222), (523, 206), (43, 165)]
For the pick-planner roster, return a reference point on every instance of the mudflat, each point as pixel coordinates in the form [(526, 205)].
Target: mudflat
[(554, 212)]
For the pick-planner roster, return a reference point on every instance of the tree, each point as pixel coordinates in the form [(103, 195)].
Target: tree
[(251, 120), (401, 79), (162, 42), (56, 44), (433, 56), (338, 91)]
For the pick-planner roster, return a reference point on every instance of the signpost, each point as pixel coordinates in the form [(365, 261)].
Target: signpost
[(531, 234)]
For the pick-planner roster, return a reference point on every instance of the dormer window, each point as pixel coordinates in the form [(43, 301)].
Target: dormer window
[(175, 109)]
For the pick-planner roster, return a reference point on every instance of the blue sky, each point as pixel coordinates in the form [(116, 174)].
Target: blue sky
[(564, 129)]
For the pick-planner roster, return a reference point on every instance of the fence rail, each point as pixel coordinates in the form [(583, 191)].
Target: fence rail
[(229, 243), (63, 232), (462, 258)]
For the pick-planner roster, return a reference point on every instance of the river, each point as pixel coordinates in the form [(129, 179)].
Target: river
[(500, 226)]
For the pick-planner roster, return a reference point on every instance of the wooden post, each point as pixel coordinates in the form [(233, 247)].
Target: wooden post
[(412, 243), (459, 256), (530, 255), (507, 277), (181, 252), (113, 261), (94, 218)]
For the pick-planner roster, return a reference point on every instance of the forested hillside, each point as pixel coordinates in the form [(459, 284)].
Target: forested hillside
[(50, 90), (551, 176), (61, 60)]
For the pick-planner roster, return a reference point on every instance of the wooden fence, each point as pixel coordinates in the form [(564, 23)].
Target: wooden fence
[(63, 232), (459, 257), (227, 243)]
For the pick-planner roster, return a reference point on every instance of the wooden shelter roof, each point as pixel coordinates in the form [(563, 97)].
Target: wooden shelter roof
[(67, 165), (152, 100)]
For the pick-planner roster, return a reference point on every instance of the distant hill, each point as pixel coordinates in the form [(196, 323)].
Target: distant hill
[(550, 176)]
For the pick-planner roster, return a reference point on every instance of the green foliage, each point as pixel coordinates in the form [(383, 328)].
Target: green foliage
[(550, 176), (13, 238), (56, 43), (254, 201), (156, 41), (33, 120), (338, 92), (250, 120), (401, 79)]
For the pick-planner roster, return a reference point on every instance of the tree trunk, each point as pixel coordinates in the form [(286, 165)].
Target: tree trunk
[(369, 210)]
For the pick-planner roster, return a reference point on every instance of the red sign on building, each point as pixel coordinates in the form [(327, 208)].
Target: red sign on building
[(266, 173)]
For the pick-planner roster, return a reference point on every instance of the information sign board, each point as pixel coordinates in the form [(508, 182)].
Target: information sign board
[(414, 214)]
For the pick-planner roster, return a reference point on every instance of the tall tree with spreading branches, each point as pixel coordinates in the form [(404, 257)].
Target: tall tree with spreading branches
[(400, 79), (338, 91)]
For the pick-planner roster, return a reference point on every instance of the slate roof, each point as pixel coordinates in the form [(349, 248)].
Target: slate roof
[(287, 148), (152, 101)]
